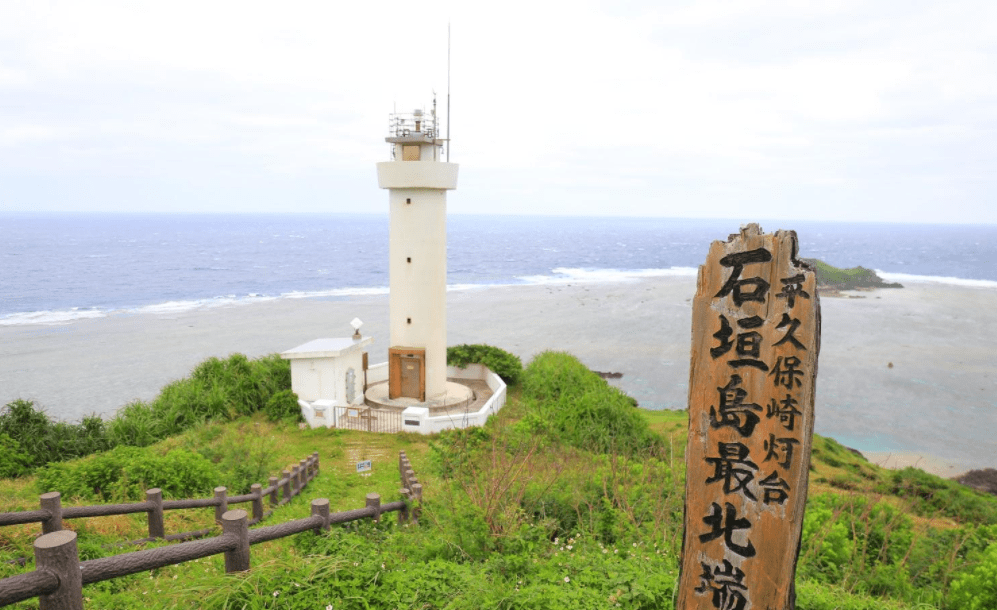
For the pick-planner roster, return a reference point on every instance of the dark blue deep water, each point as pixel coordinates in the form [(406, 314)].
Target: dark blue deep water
[(59, 267)]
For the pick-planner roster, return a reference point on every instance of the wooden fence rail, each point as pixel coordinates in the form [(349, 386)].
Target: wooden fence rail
[(51, 513), (59, 575)]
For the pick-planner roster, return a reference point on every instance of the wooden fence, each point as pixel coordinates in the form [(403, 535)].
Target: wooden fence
[(59, 576), (279, 491)]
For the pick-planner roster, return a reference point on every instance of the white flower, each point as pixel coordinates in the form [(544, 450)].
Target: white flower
[(329, 607), (635, 545), (566, 579), (569, 547), (276, 593)]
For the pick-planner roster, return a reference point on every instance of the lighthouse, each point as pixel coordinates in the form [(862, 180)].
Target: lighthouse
[(417, 180)]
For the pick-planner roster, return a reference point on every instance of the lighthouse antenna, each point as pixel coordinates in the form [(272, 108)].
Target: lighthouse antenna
[(448, 92)]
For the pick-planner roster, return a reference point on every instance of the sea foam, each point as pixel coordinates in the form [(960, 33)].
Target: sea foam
[(935, 279), (49, 318), (574, 275)]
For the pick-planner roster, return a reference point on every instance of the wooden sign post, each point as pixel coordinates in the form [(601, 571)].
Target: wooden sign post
[(755, 340)]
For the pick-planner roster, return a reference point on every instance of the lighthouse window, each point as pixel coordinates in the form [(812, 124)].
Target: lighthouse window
[(410, 152), (408, 260), (408, 200), (408, 320)]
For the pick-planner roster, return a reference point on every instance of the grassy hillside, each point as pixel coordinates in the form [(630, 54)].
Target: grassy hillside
[(569, 498)]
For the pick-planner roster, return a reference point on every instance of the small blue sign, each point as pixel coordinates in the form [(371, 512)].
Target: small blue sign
[(364, 466)]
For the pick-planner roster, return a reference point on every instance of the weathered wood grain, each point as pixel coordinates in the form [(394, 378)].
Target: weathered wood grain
[(755, 342)]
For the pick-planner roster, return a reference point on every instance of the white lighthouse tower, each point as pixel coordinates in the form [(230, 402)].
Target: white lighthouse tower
[(418, 180)]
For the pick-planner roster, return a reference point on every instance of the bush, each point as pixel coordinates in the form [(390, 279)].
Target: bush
[(283, 405), (124, 473), (217, 390), (507, 366), (136, 425), (13, 461), (243, 453), (580, 408), (29, 428), (976, 589), (41, 440)]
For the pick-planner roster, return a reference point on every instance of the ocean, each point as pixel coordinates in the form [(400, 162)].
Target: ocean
[(57, 268)]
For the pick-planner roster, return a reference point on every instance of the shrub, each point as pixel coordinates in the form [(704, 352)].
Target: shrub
[(580, 408), (217, 390), (13, 461), (135, 424), (29, 427), (124, 473), (283, 405), (976, 588), (41, 440), (243, 453), (507, 366)]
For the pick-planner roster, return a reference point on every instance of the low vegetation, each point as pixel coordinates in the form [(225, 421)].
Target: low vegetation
[(216, 391), (830, 277), (504, 364), (568, 498)]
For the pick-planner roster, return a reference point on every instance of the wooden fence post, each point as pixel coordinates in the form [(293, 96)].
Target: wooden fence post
[(272, 483), (221, 494), (374, 501), (235, 523), (57, 553), (315, 460), (417, 500), (154, 497), (285, 475), (257, 491), (403, 513), (320, 507), (52, 502), (303, 474)]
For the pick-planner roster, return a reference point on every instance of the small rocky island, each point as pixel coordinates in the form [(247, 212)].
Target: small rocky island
[(831, 279)]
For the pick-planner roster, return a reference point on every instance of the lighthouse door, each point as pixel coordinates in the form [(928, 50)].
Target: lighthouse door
[(411, 372), (407, 373)]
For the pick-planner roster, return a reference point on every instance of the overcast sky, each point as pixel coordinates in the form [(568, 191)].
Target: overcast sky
[(848, 110)]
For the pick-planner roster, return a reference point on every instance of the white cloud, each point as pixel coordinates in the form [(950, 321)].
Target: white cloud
[(713, 107)]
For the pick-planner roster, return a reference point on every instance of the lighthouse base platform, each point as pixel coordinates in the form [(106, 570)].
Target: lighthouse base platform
[(456, 398)]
